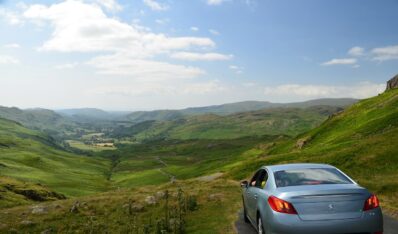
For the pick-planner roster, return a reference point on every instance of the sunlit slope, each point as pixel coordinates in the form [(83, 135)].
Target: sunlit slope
[(31, 156), (362, 141), (276, 121)]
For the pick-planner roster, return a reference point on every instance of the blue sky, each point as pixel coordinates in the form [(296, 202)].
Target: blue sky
[(156, 54)]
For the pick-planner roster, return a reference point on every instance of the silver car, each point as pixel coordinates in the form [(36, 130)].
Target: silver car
[(309, 198)]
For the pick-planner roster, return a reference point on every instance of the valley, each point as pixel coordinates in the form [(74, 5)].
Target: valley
[(109, 174)]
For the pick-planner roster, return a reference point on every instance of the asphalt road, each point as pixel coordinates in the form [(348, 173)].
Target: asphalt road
[(390, 225)]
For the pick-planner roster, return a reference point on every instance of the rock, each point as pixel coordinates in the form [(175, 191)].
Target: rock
[(39, 210), (302, 142), (58, 206), (160, 195), (150, 200), (75, 207), (27, 222), (137, 207), (47, 231), (134, 207), (393, 83)]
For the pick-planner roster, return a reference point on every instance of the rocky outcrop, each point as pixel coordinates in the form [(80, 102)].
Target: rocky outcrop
[(302, 142), (393, 83)]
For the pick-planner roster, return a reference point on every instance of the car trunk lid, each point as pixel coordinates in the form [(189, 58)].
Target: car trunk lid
[(327, 202)]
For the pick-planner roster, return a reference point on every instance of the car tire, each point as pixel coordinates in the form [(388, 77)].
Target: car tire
[(260, 226), (245, 218)]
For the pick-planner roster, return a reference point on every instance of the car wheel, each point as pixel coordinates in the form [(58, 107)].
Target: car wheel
[(260, 226), (245, 213)]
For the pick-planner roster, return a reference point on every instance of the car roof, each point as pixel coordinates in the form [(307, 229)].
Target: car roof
[(282, 167)]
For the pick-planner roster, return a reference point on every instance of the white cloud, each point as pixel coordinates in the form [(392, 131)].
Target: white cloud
[(11, 17), (214, 32), (195, 29), (142, 69), (162, 21), (356, 51), (131, 50), (111, 5), (12, 46), (360, 90), (200, 57), (385, 53), (6, 59), (156, 6), (80, 27), (343, 61), (66, 66), (215, 2), (236, 69)]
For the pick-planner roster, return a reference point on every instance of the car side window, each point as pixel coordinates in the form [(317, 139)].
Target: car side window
[(253, 181), (262, 179)]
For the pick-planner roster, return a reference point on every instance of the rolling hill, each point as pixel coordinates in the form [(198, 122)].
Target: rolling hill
[(32, 157), (39, 119), (231, 108), (275, 121)]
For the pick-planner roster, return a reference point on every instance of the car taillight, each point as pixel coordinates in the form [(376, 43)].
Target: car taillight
[(371, 203), (281, 206)]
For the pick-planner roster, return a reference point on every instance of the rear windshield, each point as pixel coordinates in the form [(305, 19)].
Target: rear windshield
[(309, 176)]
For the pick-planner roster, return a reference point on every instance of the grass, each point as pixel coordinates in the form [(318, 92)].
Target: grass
[(109, 212), (31, 156)]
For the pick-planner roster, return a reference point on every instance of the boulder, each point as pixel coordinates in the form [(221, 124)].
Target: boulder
[(27, 222), (393, 83), (39, 210), (160, 195), (75, 207), (47, 231), (150, 200), (302, 142)]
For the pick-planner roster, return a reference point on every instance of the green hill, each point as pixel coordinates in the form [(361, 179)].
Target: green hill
[(276, 121), (39, 119), (30, 156), (232, 108), (362, 141)]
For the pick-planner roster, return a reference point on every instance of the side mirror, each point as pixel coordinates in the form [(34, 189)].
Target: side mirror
[(244, 184)]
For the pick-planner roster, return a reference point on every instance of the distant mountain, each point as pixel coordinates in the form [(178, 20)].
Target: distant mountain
[(87, 114), (232, 108), (271, 121)]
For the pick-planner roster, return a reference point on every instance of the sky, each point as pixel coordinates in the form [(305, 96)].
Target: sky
[(171, 54)]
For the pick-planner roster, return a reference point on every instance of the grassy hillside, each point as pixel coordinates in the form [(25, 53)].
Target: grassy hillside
[(277, 121), (362, 141), (32, 156), (40, 119)]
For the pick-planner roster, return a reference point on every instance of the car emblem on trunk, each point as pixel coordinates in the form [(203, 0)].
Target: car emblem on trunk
[(331, 207)]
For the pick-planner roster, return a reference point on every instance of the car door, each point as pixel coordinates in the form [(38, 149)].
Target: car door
[(250, 201), (257, 183)]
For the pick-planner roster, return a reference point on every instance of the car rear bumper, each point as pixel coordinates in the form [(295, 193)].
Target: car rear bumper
[(370, 222)]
